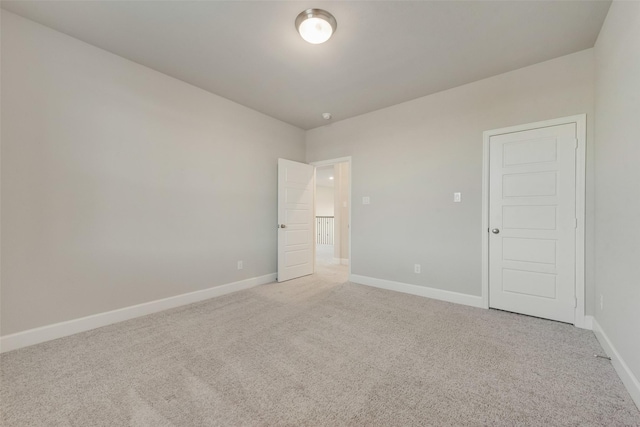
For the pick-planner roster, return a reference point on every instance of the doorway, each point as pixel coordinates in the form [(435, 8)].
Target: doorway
[(332, 216), (533, 219), (327, 246)]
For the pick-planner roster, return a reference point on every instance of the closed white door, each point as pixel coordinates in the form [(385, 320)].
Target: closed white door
[(296, 184), (532, 221)]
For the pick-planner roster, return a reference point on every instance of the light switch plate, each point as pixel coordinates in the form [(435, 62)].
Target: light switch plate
[(457, 197)]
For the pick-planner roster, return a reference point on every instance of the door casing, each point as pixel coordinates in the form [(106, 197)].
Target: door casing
[(581, 133)]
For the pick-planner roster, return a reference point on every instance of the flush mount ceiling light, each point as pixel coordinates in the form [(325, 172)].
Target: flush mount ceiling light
[(316, 25)]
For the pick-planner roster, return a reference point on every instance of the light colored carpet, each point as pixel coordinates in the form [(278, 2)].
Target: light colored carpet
[(318, 351), (324, 255)]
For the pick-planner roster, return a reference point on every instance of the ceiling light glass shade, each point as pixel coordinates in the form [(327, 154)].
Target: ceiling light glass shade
[(316, 25)]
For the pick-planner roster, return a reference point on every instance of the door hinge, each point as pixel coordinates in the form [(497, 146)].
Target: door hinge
[(575, 144), (575, 222), (575, 302)]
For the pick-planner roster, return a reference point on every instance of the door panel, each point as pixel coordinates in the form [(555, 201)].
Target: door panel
[(529, 283), (529, 217), (539, 251), (296, 213), (529, 184), (532, 205), (529, 151)]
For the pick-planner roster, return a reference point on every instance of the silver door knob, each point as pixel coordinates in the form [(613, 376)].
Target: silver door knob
[(495, 231), (283, 226)]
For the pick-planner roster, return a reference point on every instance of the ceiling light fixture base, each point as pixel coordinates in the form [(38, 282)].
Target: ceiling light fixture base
[(316, 25)]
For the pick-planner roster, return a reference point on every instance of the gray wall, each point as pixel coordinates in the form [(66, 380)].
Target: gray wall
[(121, 185), (618, 180), (412, 157), (324, 201), (341, 197)]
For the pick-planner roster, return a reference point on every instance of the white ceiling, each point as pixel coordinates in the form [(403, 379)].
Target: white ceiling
[(383, 52)]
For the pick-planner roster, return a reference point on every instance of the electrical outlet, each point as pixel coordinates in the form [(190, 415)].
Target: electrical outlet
[(240, 266), (416, 268), (366, 200), (601, 302)]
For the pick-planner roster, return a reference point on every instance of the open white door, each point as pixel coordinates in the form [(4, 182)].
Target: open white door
[(532, 221), (296, 186)]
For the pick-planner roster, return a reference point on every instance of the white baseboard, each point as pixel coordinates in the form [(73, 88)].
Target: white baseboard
[(587, 323), (70, 327), (422, 291), (628, 378)]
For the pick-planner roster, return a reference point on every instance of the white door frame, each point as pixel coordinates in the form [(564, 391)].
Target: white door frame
[(581, 134), (330, 162)]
